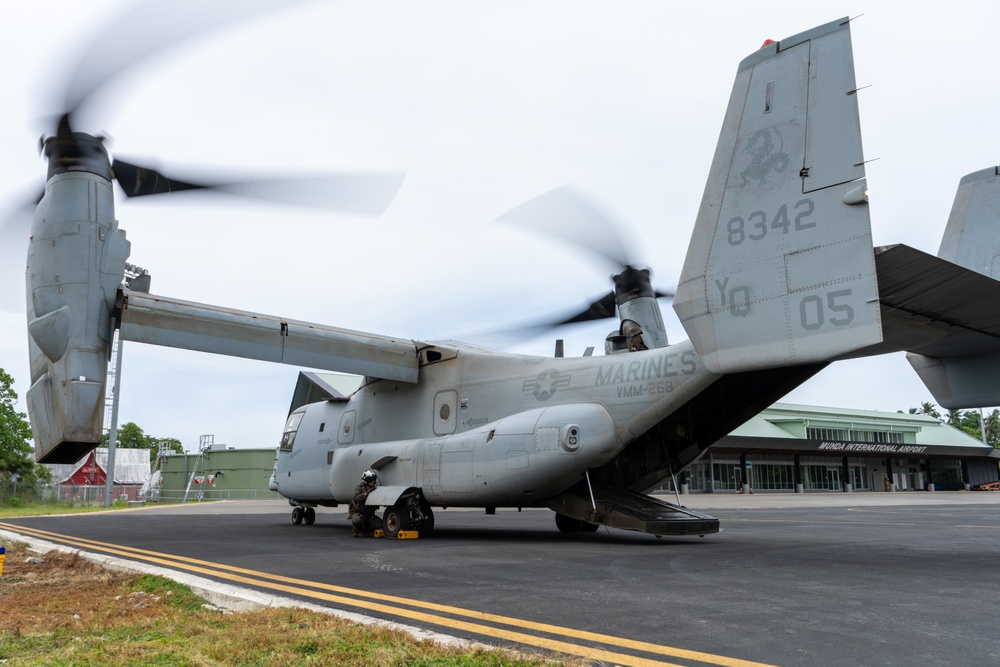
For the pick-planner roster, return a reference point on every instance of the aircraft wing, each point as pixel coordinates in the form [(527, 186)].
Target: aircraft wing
[(158, 320), (933, 307)]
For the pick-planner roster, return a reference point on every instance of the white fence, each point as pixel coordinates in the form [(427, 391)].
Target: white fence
[(94, 495)]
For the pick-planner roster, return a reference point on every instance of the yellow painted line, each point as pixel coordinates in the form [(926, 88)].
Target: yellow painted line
[(223, 571)]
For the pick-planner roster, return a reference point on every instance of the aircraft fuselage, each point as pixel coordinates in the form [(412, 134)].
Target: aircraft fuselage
[(493, 429)]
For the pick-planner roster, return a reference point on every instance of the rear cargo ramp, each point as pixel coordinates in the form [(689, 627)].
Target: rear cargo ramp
[(618, 508)]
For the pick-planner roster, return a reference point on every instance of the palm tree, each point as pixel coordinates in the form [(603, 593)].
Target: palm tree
[(926, 408), (992, 427)]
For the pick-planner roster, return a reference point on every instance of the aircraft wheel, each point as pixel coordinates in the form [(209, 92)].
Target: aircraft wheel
[(297, 515), (426, 527), (567, 524), (310, 516), (587, 527), (395, 519)]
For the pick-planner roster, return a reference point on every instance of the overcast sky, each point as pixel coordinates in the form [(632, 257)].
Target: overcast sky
[(484, 105)]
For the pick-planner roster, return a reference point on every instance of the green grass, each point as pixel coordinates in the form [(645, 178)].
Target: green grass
[(16, 507), (268, 637), (69, 611)]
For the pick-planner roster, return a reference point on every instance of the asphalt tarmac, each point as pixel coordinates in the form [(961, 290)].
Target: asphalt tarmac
[(808, 579)]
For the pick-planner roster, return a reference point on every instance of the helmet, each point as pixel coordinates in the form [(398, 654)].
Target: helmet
[(368, 476)]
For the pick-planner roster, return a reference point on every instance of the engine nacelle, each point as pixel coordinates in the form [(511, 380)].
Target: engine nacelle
[(76, 262)]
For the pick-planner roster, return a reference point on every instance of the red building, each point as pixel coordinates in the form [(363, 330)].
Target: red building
[(85, 479)]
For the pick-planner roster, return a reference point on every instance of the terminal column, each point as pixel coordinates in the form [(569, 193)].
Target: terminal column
[(744, 477)]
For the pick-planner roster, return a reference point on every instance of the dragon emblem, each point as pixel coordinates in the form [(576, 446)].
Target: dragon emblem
[(765, 149)]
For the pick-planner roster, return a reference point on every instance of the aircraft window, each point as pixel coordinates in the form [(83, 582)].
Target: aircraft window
[(291, 428), (445, 412)]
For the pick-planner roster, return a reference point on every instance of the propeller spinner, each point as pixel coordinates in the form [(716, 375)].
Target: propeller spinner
[(141, 32)]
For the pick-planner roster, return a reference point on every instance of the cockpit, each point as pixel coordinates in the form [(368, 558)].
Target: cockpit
[(291, 428)]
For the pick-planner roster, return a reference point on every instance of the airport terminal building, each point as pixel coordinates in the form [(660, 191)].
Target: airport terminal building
[(797, 448)]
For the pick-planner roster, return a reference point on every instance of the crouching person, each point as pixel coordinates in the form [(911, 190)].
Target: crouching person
[(362, 515)]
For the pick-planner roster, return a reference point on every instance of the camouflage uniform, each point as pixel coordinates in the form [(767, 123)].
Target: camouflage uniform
[(362, 516)]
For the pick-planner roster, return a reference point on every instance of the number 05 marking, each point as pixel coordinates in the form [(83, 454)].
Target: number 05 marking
[(813, 314)]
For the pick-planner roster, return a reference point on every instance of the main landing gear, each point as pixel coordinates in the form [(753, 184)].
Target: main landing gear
[(567, 524), (410, 512), (302, 514)]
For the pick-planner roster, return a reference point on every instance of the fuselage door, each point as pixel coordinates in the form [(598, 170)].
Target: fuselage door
[(345, 434), (445, 416)]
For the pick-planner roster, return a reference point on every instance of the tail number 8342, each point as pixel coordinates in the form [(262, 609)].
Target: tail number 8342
[(756, 225)]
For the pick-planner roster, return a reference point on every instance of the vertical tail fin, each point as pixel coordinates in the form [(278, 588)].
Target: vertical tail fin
[(780, 270), (971, 238)]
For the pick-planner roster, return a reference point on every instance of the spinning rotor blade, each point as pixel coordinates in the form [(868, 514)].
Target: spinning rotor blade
[(128, 39), (568, 216), (13, 240), (600, 309), (146, 30), (364, 194)]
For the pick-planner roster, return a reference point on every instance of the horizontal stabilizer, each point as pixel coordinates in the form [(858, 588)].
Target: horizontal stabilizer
[(780, 270), (944, 315), (959, 383), (934, 307)]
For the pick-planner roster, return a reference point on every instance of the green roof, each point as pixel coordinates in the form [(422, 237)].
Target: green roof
[(929, 430)]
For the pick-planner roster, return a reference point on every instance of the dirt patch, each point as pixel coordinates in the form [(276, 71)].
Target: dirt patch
[(53, 590)]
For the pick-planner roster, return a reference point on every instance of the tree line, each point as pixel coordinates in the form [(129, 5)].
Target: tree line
[(966, 420)]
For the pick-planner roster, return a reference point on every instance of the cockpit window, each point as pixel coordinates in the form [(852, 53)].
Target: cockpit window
[(291, 428)]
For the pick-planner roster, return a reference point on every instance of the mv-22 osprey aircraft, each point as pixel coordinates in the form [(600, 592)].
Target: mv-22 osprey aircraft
[(780, 279)]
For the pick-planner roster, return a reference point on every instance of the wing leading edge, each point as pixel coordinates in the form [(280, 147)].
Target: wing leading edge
[(159, 320)]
